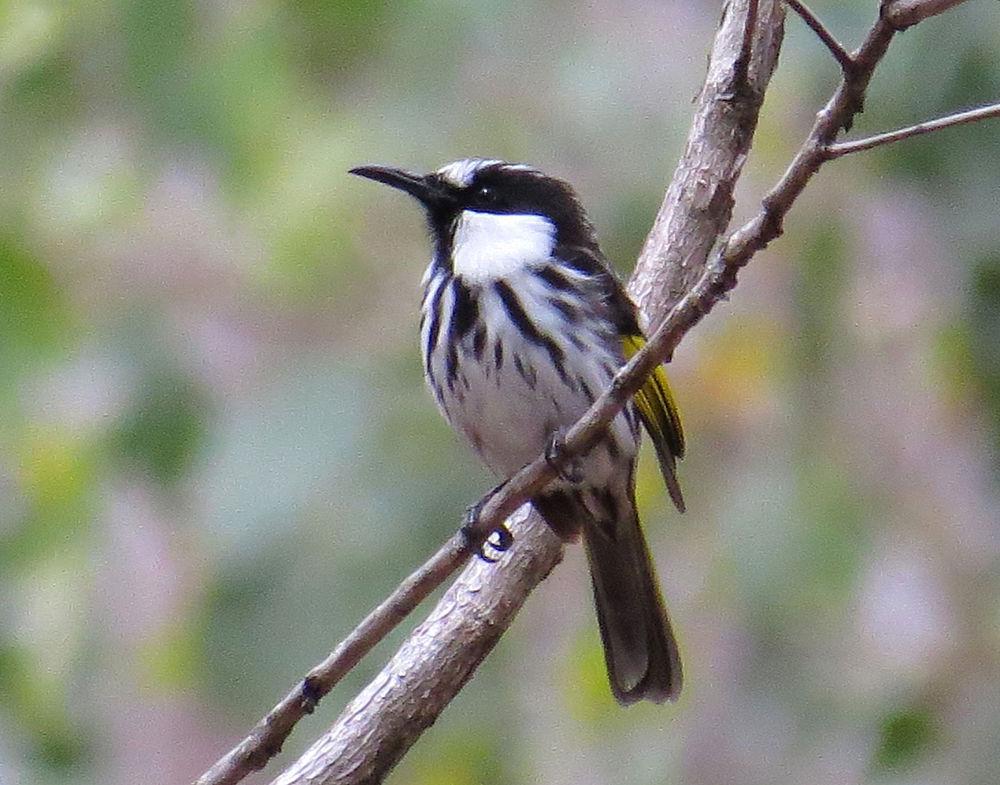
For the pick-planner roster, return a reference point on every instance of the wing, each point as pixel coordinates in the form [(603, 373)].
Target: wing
[(654, 400), (659, 414)]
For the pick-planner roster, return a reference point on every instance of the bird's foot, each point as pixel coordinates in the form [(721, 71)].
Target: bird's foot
[(569, 468), (499, 539)]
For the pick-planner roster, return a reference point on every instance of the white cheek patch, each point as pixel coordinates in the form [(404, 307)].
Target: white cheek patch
[(487, 246)]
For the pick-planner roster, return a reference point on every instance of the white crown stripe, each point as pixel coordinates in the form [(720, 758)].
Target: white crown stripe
[(461, 173)]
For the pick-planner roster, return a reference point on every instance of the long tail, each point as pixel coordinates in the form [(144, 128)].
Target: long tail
[(639, 644)]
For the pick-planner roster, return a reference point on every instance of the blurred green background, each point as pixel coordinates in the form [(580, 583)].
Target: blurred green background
[(216, 452)]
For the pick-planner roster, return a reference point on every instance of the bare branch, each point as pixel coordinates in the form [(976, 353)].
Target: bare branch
[(742, 65), (676, 283), (838, 113), (268, 736), (723, 114), (698, 203), (840, 54), (926, 127), (434, 663), (906, 13), (266, 739)]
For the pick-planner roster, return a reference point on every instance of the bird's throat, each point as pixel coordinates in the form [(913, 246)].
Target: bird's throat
[(488, 246)]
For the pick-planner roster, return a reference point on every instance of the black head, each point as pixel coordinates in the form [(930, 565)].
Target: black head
[(490, 186)]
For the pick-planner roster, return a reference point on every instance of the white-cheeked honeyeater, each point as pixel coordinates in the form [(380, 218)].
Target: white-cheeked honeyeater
[(523, 325)]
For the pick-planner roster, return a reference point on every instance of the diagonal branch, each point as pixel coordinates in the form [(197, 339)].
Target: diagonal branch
[(379, 726), (698, 203), (268, 735), (678, 279), (926, 127), (840, 54), (839, 112)]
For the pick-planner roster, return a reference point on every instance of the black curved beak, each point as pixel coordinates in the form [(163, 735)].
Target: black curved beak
[(422, 187)]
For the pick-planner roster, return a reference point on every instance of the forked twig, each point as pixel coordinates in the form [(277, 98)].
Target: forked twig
[(718, 276)]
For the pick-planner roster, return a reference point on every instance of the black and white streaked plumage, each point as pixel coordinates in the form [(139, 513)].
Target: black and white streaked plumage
[(523, 325)]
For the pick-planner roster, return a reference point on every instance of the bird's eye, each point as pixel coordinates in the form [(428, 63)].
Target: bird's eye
[(486, 195)]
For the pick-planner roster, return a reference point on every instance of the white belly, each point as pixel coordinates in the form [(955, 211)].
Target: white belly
[(509, 401)]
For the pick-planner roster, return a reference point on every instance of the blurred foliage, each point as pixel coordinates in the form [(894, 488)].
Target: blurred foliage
[(162, 432), (33, 317), (984, 325), (904, 737), (217, 453), (57, 745)]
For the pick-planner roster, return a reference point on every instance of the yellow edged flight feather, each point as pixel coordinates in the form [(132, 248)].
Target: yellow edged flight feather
[(659, 415)]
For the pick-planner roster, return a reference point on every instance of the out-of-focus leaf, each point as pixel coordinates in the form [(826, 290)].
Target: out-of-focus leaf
[(331, 36), (56, 483), (824, 556), (984, 330), (172, 658), (585, 680), (955, 364), (165, 428), (158, 39), (34, 320), (44, 91), (57, 744), (818, 290), (904, 736), (974, 80)]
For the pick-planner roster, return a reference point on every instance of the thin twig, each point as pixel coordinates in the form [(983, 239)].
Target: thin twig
[(369, 733), (270, 733), (268, 736), (841, 55), (838, 113), (698, 204), (959, 118), (717, 278)]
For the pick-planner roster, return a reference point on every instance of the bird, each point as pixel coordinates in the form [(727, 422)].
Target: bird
[(523, 324)]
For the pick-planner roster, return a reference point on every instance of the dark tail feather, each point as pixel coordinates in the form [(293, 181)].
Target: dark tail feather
[(639, 645)]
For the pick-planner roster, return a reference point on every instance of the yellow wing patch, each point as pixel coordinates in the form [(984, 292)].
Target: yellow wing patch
[(659, 415)]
